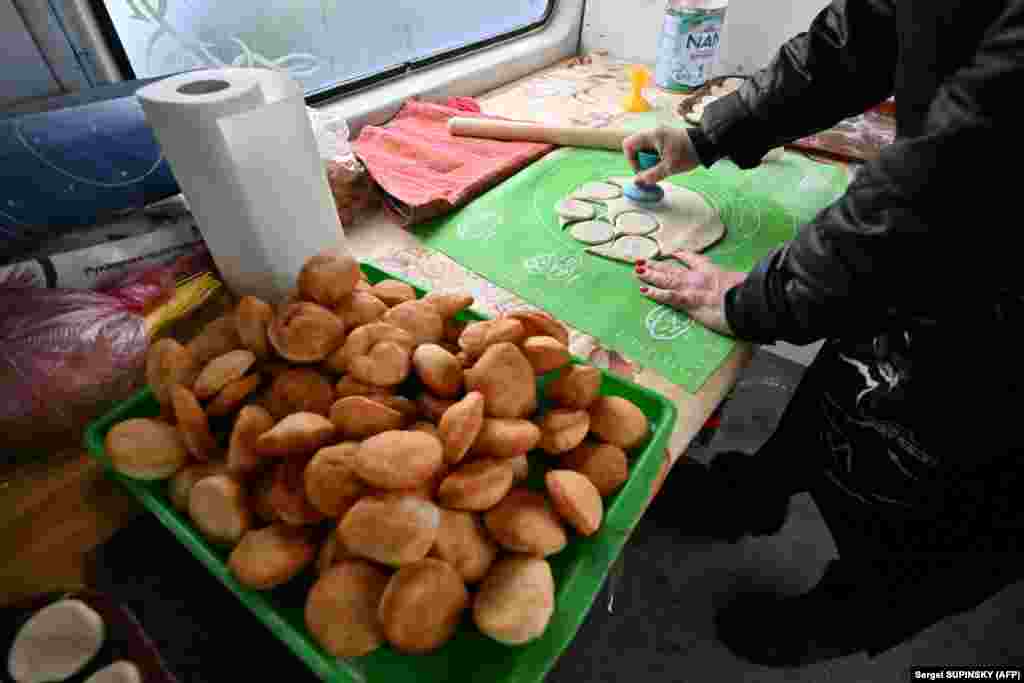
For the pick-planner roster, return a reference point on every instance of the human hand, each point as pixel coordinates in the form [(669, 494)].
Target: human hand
[(698, 290), (674, 147)]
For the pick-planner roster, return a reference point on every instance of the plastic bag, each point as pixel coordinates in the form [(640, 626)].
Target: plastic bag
[(70, 354), (353, 191), (67, 355)]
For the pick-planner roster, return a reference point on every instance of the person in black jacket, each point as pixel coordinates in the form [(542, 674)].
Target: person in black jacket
[(904, 429)]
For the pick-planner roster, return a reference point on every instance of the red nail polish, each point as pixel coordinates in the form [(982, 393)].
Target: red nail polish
[(641, 262), (641, 270), (643, 290)]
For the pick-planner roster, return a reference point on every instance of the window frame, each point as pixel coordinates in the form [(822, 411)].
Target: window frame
[(347, 87)]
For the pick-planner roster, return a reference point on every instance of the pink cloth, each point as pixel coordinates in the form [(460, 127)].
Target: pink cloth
[(425, 171)]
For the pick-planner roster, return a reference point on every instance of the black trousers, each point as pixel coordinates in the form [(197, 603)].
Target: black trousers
[(922, 532)]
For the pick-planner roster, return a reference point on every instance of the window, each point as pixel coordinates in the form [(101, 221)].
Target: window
[(329, 46)]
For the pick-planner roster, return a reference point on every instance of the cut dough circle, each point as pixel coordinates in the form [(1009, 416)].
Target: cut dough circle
[(121, 671), (592, 232), (55, 643), (575, 209), (598, 190), (629, 248), (636, 223)]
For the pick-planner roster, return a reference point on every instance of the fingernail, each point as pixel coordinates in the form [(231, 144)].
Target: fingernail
[(643, 290), (641, 262), (641, 270)]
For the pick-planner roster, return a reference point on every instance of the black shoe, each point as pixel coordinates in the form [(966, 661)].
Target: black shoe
[(827, 622), (727, 500)]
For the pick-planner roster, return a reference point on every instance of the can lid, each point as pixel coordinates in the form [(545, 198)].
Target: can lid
[(698, 4)]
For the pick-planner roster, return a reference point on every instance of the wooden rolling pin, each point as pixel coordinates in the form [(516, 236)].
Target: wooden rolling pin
[(566, 136)]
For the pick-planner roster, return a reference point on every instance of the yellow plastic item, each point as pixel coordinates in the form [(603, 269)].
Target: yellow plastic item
[(639, 77), (189, 294)]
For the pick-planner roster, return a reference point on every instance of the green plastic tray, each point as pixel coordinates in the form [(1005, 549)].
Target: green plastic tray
[(579, 570)]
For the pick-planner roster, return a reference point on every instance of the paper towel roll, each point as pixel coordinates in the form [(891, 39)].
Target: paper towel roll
[(240, 144)]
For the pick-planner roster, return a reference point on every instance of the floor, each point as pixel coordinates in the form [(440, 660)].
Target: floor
[(660, 629)]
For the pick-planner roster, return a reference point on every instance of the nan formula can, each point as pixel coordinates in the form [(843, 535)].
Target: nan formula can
[(688, 45)]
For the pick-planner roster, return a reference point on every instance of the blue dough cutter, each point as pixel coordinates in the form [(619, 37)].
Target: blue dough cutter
[(639, 192)]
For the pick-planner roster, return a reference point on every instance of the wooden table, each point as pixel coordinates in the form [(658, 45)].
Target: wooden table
[(53, 513)]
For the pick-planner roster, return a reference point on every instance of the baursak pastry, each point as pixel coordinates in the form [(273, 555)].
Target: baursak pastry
[(563, 430), (193, 424), (359, 417), (304, 332), (460, 425), (524, 522), (506, 379), (216, 339), (145, 448), (328, 277), (398, 459), (297, 434), (545, 354), (179, 487), (394, 529), (419, 319), (341, 608), (439, 370), (605, 465), (169, 363), (268, 557), (331, 483), (618, 421), (463, 543), (422, 606), (217, 506), (233, 395), (502, 437), (252, 318), (379, 354), (576, 500), (221, 371), (300, 390), (479, 485), (575, 387), (393, 292), (516, 600), (252, 422)]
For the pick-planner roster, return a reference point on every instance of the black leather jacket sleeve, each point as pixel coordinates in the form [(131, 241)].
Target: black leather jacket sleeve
[(840, 67), (896, 238)]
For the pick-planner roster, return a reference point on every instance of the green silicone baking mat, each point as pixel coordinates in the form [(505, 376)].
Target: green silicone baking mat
[(511, 235)]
